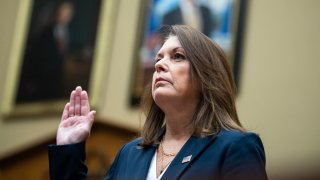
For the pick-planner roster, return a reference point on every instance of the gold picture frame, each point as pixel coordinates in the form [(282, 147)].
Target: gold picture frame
[(99, 57), (223, 21)]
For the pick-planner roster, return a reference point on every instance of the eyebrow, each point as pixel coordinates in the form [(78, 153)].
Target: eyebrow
[(174, 50), (177, 48)]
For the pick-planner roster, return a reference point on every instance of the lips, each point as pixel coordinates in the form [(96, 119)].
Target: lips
[(160, 80)]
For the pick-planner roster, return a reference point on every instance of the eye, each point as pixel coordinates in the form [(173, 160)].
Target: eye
[(156, 60), (179, 56)]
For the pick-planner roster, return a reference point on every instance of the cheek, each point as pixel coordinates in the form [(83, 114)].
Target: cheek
[(184, 83), (183, 77), (152, 83)]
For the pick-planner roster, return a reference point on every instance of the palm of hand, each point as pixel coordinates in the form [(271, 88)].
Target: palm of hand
[(76, 120)]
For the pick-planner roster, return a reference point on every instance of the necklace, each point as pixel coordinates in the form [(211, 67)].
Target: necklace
[(162, 155)]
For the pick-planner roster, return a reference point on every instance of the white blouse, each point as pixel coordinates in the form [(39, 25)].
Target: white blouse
[(152, 173)]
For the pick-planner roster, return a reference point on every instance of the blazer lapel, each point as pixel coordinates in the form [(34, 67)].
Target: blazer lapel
[(141, 159), (193, 147)]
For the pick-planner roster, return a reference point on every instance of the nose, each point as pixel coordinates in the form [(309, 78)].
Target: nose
[(161, 65)]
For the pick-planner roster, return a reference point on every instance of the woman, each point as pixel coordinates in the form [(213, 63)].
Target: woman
[(192, 130)]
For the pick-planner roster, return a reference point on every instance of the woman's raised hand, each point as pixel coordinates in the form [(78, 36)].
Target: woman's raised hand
[(76, 120)]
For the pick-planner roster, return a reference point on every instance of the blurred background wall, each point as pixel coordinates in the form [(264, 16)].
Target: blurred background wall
[(279, 87)]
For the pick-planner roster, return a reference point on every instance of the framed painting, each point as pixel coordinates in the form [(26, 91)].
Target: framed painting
[(221, 20), (60, 47)]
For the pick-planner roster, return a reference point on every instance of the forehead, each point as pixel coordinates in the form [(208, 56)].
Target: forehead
[(171, 43)]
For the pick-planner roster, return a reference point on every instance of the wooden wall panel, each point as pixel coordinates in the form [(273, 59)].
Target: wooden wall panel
[(102, 146)]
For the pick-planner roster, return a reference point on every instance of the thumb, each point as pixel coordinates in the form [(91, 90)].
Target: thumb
[(91, 115)]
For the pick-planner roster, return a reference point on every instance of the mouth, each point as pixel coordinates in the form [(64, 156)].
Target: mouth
[(160, 80)]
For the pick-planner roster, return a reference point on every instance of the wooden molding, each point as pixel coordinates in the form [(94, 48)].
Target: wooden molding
[(42, 146)]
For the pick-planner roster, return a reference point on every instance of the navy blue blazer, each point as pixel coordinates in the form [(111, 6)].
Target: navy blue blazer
[(229, 155)]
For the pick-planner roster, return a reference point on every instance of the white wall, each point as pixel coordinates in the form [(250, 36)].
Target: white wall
[(279, 95)]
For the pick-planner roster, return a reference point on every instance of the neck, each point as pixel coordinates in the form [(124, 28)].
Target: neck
[(177, 131), (178, 121)]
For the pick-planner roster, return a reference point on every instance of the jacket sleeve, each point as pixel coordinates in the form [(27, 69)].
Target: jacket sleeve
[(67, 161), (245, 159)]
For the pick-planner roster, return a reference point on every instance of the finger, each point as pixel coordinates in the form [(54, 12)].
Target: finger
[(65, 112), (77, 106), (79, 88), (85, 106), (77, 101), (72, 102)]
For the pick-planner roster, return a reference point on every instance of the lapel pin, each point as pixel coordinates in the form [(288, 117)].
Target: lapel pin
[(186, 159)]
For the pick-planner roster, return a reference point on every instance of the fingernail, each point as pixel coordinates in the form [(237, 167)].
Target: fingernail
[(84, 92)]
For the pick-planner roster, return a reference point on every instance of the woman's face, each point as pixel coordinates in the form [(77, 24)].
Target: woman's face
[(171, 79)]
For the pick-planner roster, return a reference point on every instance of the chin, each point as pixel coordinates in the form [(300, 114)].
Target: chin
[(162, 96)]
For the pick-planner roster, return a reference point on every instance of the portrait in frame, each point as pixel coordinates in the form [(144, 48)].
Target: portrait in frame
[(221, 20), (58, 45)]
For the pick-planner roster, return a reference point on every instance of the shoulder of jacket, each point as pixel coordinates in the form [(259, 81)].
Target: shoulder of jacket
[(230, 136)]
